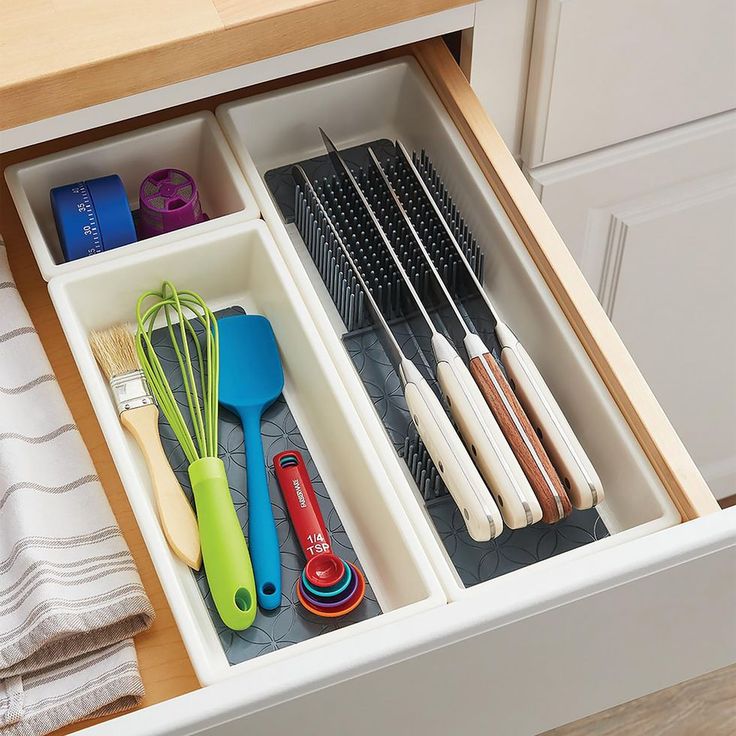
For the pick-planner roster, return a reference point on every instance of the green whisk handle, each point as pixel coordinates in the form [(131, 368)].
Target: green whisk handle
[(224, 552)]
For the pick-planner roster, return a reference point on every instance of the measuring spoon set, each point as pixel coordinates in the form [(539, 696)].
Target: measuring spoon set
[(328, 586)]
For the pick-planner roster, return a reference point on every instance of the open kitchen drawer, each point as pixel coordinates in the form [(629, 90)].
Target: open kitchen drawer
[(394, 100), (653, 604)]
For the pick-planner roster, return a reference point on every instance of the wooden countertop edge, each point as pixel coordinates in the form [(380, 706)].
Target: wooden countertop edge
[(240, 41)]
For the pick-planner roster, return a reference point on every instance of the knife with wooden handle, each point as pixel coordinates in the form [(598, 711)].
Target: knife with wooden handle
[(484, 440), (480, 430), (521, 436)]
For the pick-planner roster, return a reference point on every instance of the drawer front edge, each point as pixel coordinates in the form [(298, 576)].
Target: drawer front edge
[(635, 631)]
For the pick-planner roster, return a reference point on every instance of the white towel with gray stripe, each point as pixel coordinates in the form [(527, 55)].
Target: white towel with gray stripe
[(70, 595)]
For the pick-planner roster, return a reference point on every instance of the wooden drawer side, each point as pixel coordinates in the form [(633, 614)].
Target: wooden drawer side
[(632, 395)]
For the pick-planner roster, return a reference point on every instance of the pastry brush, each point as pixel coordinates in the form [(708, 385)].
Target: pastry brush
[(115, 351)]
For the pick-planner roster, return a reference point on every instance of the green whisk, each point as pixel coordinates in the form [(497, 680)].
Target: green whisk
[(224, 551)]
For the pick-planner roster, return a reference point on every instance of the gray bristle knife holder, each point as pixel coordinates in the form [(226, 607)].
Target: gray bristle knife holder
[(290, 623), (475, 562)]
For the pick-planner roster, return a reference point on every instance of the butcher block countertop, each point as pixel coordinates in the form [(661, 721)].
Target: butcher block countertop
[(57, 56)]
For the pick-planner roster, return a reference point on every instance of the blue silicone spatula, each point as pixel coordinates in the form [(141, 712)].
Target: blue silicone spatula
[(251, 379)]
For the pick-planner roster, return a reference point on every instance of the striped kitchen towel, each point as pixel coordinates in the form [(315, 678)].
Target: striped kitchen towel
[(70, 595)]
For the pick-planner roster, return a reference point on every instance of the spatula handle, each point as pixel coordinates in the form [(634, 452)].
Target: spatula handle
[(262, 537), (225, 554)]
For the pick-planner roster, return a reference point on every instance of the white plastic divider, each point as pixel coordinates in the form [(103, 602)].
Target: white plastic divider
[(193, 143), (249, 272), (395, 100)]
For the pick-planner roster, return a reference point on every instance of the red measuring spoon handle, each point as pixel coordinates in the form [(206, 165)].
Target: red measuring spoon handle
[(301, 502)]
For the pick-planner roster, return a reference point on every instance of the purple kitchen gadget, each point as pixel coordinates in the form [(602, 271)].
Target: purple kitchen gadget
[(169, 200)]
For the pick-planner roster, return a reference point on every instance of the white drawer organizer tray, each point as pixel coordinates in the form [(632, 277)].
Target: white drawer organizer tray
[(394, 100), (194, 143), (240, 265)]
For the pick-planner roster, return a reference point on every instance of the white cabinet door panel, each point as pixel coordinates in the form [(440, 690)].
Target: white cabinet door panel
[(670, 289), (495, 58), (606, 71), (653, 226)]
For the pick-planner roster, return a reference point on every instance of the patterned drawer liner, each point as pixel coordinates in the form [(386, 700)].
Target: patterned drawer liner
[(289, 624)]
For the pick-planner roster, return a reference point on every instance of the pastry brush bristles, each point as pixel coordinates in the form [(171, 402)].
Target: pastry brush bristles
[(115, 351)]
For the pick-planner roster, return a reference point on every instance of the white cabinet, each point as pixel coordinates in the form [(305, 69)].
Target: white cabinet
[(652, 223), (604, 71), (500, 39)]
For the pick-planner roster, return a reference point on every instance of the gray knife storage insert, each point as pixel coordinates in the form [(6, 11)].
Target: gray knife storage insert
[(475, 562), (290, 623)]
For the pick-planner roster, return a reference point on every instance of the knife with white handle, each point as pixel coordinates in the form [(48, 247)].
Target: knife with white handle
[(480, 513), (581, 482)]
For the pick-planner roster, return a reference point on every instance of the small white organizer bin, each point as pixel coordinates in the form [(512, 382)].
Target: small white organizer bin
[(240, 265), (395, 100), (194, 143)]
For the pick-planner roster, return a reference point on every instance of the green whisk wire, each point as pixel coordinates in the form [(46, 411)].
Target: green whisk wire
[(202, 395)]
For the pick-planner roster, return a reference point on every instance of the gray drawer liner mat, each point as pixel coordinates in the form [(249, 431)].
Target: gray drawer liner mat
[(290, 623), (475, 562)]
